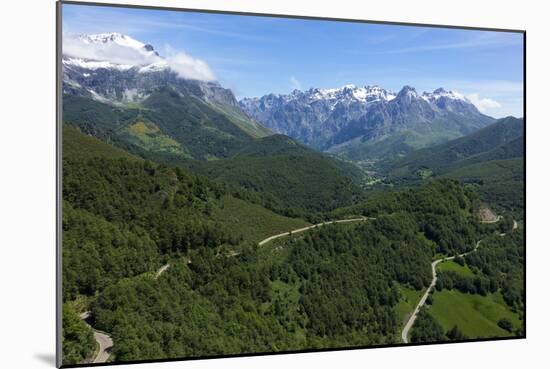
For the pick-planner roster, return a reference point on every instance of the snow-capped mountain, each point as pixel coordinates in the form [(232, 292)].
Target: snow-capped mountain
[(346, 94), (116, 68), (119, 39), (330, 119), (110, 51), (315, 115)]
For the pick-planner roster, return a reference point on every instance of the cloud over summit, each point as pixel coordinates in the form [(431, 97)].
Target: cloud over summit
[(123, 50)]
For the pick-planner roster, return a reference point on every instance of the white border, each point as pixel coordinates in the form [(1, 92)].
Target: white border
[(27, 193)]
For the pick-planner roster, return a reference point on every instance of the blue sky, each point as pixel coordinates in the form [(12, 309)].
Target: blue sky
[(257, 55)]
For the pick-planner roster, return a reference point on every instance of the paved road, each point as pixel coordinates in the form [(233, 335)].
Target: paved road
[(299, 230), (104, 341), (422, 301), (105, 346)]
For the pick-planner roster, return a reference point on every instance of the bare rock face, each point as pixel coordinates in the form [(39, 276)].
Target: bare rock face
[(328, 119)]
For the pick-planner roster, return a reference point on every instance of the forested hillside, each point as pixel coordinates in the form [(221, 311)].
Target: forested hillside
[(147, 211), (490, 160), (336, 286), (500, 140), (298, 180), (443, 210), (183, 131), (124, 217), (184, 125), (481, 295), (331, 287)]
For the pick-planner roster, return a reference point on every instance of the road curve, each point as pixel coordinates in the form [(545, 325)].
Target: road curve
[(299, 230), (104, 341), (496, 220), (162, 270), (422, 301)]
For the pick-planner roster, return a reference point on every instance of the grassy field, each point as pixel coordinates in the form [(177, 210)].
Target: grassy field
[(254, 221), (451, 266), (475, 315), (149, 137)]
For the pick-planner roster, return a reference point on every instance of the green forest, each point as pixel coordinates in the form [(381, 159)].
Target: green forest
[(333, 286), (162, 248)]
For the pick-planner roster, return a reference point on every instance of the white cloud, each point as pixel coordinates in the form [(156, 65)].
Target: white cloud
[(483, 103), (180, 62), (296, 85), (507, 93), (187, 66), (190, 68), (112, 52)]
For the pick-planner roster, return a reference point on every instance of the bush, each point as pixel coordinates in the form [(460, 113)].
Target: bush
[(455, 334), (505, 324), (426, 329), (459, 260)]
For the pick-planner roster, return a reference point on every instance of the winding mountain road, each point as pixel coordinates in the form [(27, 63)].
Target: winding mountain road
[(412, 318), (104, 341), (300, 230)]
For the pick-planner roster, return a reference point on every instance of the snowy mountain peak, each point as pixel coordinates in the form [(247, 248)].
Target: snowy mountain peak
[(109, 51), (118, 52), (449, 94), (442, 93), (407, 94), (118, 39), (408, 90), (347, 93), (332, 118), (113, 37)]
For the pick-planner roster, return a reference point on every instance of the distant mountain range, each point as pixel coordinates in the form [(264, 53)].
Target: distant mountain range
[(141, 104), (124, 92), (367, 122), (358, 123)]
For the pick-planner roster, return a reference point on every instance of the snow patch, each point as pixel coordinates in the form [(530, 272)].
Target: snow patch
[(95, 64), (155, 67)]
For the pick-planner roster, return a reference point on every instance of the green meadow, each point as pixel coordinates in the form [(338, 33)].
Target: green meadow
[(475, 315)]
